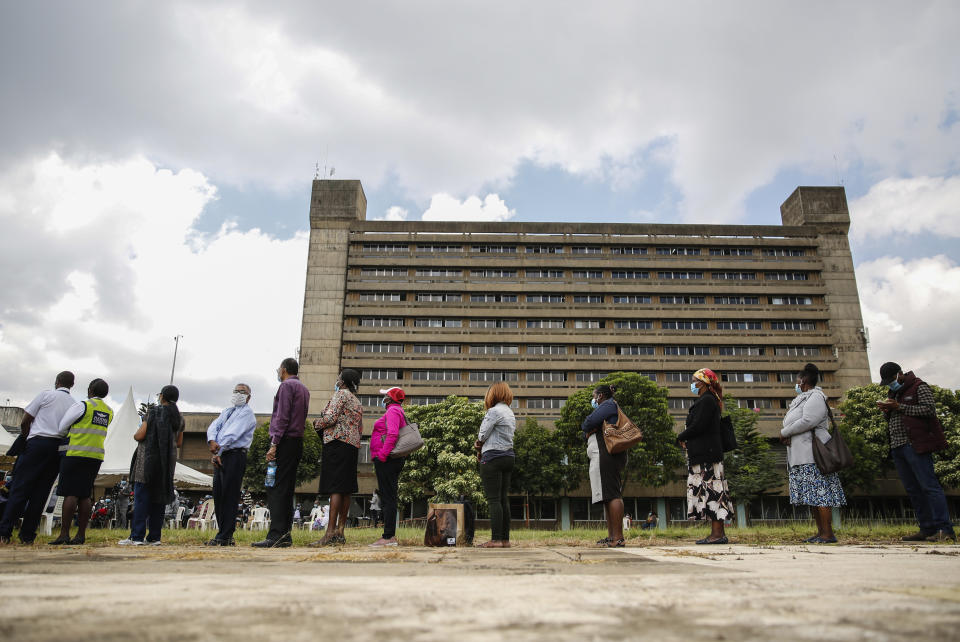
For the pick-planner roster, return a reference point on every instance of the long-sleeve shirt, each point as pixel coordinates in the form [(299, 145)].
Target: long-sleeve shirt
[(607, 411), (290, 406), (497, 428), (806, 416), (386, 430), (233, 428), (342, 419)]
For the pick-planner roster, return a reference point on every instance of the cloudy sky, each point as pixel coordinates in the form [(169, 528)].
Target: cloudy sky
[(156, 158)]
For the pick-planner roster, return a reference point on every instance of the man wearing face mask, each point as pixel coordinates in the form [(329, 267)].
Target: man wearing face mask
[(229, 438), (915, 434)]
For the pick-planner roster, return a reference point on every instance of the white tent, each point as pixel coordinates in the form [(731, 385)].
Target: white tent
[(120, 445)]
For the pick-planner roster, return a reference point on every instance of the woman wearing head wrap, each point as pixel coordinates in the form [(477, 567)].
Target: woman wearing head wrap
[(806, 419), (341, 424), (707, 494)]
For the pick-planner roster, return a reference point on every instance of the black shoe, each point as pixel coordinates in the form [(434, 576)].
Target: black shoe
[(943, 535), (4, 540), (60, 541), (27, 542), (707, 540), (215, 542), (340, 540), (228, 542), (812, 540), (822, 540), (919, 536), (267, 543), (77, 541)]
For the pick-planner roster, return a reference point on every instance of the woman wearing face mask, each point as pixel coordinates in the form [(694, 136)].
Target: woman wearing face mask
[(388, 469), (341, 424), (707, 493), (806, 418), (606, 470)]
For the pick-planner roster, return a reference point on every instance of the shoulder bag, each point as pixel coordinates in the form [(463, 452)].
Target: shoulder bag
[(835, 454), (622, 435), (408, 441), (728, 437)]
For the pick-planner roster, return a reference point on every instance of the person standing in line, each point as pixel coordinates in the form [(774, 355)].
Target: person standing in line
[(383, 438), (707, 494), (341, 425), (154, 462), (911, 413), (38, 464), (229, 437), (287, 424), (806, 420), (86, 424), (606, 470), (375, 512), (495, 443)]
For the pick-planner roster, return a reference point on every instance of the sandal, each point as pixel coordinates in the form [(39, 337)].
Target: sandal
[(493, 543), (620, 543), (604, 541)]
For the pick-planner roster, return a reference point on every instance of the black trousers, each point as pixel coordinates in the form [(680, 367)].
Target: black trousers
[(280, 497), (388, 479), (227, 486), (37, 468), (495, 479)]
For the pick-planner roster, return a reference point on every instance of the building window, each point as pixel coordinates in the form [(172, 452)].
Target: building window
[(633, 324), (793, 325), (745, 377), (676, 299), (677, 350), (492, 375), (587, 298), (437, 323), (546, 375), (544, 249), (787, 377), (380, 322), (545, 323), (378, 375), (784, 251), (741, 351), (438, 297), (439, 272), (791, 300), (583, 324), (369, 400), (551, 403), (381, 296), (785, 276), (797, 351), (493, 348), (629, 274), (676, 377), (495, 249), (590, 377), (624, 350), (736, 300), (587, 274), (591, 349), (494, 323), (680, 275), (493, 298), (683, 325), (437, 348), (436, 375), (734, 276), (440, 249), (628, 250), (585, 249), (424, 401), (494, 274), (385, 247), (679, 404), (739, 325), (678, 251), (754, 403), (379, 347), (631, 298), (545, 298), (652, 376), (731, 251), (546, 349), (383, 272), (544, 274)]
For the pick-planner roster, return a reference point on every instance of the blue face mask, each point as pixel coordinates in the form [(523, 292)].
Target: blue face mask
[(593, 402), (796, 387), (895, 385), (336, 388), (383, 403), (694, 389)]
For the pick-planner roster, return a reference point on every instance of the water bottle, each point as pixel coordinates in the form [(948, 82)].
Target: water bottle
[(271, 474)]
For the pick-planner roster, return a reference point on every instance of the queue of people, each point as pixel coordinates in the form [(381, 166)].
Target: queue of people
[(62, 436)]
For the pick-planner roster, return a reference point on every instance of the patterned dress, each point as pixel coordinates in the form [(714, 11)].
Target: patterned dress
[(810, 487), (707, 493)]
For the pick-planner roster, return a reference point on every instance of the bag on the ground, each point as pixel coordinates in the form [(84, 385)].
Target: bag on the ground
[(834, 455), (728, 438), (621, 436), (408, 441), (441, 527)]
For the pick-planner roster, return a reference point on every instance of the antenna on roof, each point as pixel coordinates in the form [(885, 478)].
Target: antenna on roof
[(332, 171), (316, 172)]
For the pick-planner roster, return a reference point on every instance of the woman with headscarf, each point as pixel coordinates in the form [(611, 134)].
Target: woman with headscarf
[(606, 470), (341, 424), (707, 493), (152, 468)]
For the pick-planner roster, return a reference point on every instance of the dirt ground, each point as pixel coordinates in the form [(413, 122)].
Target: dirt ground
[(663, 593)]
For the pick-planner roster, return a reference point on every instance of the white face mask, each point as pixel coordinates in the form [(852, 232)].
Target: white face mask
[(238, 398)]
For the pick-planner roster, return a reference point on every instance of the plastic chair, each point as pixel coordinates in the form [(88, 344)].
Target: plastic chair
[(260, 520), (204, 517), (49, 518)]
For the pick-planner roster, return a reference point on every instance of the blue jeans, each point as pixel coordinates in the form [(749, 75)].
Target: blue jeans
[(923, 488), (145, 514)]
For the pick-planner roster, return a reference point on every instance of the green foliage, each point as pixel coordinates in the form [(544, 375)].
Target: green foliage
[(947, 462), (751, 469), (446, 466), (540, 469), (655, 460), (256, 472)]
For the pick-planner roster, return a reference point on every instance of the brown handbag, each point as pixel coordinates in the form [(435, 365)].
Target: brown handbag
[(621, 436), (834, 455)]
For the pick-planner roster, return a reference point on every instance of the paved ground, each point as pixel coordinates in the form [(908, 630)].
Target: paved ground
[(663, 593)]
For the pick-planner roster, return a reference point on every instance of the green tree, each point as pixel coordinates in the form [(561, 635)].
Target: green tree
[(446, 467), (540, 469), (655, 460), (309, 467), (751, 469)]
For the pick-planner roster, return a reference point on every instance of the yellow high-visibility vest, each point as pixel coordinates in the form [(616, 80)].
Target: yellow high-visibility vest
[(88, 433)]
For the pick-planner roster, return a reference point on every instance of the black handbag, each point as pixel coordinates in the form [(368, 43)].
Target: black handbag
[(728, 437), (834, 455)]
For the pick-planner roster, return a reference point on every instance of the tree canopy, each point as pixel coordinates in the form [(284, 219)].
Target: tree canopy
[(751, 469), (309, 467), (540, 466)]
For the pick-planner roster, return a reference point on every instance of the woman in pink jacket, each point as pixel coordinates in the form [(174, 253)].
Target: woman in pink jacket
[(382, 439)]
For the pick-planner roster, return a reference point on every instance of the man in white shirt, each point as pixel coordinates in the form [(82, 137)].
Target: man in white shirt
[(38, 465), (229, 438)]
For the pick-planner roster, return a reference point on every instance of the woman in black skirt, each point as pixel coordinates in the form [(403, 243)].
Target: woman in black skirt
[(341, 425), (606, 470)]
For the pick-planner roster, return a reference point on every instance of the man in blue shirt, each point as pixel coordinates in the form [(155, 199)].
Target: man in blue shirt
[(229, 437)]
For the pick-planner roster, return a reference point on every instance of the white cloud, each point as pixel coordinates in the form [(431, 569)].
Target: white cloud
[(444, 207), (911, 309), (100, 270), (394, 213), (908, 207)]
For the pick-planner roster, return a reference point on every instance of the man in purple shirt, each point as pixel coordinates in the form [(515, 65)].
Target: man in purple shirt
[(286, 447)]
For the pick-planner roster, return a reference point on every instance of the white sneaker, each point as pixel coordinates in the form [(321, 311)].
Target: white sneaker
[(380, 543), (129, 542), (156, 543)]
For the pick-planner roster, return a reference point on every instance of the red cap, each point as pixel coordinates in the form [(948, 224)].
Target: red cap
[(394, 393)]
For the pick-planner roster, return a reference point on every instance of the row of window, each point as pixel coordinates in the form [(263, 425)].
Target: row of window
[(556, 403), (559, 349), (498, 248), (562, 376), (668, 299), (620, 324), (501, 273)]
